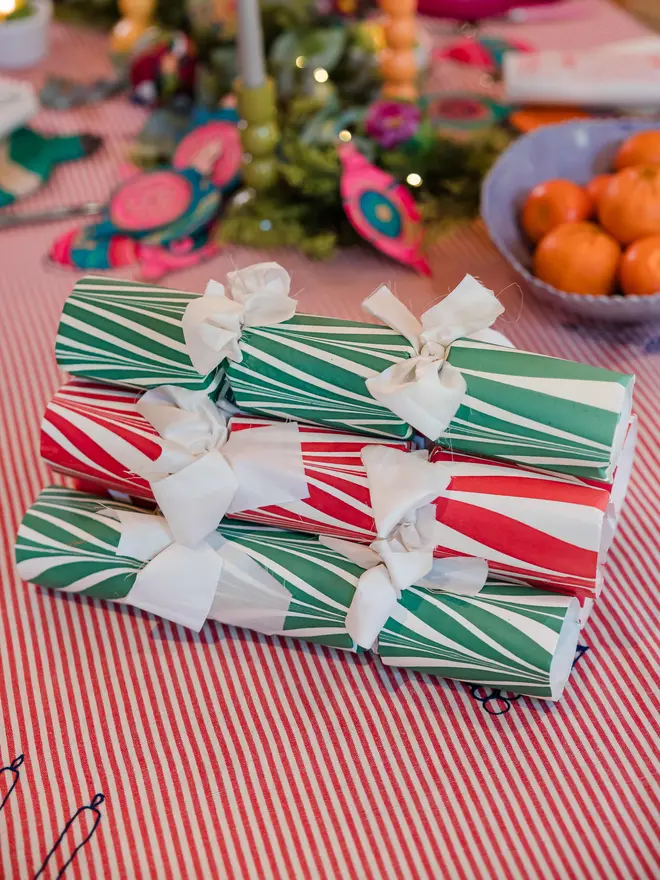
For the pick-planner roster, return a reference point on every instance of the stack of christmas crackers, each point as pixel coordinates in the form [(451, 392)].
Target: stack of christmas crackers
[(418, 488)]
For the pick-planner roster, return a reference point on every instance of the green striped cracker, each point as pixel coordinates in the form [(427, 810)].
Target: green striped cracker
[(539, 411), (313, 369), (504, 637), (321, 582), (130, 333), (66, 543)]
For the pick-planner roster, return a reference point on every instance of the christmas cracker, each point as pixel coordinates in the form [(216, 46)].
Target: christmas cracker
[(539, 527), (535, 410), (516, 638)]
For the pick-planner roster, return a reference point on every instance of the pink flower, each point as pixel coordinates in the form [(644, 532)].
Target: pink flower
[(391, 123)]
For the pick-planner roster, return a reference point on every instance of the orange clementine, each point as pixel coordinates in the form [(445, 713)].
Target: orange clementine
[(629, 206), (596, 187), (640, 149), (639, 270), (551, 203), (578, 258)]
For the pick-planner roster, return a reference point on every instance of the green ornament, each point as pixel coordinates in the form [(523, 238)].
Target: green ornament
[(260, 140), (260, 173)]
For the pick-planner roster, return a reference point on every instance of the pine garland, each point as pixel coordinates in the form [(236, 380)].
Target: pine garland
[(305, 209)]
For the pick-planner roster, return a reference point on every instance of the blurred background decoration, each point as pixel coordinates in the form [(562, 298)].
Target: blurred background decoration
[(327, 87), (343, 72)]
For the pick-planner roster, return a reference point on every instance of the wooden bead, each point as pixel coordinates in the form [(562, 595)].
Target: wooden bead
[(398, 61), (400, 91), (125, 35), (398, 67), (260, 139), (260, 174), (137, 19), (401, 33), (399, 8), (260, 135)]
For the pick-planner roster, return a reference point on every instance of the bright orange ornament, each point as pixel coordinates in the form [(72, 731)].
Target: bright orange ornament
[(640, 149), (551, 203), (639, 271), (629, 206), (578, 258)]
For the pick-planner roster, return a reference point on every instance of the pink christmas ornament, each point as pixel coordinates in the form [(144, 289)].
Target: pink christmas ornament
[(220, 136), (381, 210)]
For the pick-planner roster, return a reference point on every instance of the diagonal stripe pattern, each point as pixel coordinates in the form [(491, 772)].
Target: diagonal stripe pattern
[(506, 636)]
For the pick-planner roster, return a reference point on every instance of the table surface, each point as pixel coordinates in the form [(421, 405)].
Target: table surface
[(227, 754)]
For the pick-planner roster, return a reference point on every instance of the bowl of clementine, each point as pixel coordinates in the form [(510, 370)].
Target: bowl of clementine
[(601, 178)]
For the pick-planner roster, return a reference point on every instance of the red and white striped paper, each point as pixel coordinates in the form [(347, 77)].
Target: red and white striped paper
[(546, 529), (84, 418), (542, 528)]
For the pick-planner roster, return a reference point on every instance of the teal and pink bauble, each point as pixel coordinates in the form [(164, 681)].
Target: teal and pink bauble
[(161, 206), (463, 111), (220, 136), (83, 248), (381, 210)]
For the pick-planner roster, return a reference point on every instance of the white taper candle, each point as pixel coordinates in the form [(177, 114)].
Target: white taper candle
[(251, 62)]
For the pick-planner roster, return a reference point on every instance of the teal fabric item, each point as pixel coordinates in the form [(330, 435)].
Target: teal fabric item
[(26, 153)]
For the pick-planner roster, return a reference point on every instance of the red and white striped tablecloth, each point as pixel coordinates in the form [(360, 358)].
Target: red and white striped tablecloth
[(227, 754)]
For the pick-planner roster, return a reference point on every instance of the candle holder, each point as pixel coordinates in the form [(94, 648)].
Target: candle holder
[(23, 40), (398, 61), (259, 133)]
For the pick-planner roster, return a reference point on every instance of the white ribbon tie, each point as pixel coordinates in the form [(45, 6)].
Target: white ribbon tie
[(425, 390), (213, 323), (216, 579), (204, 471), (402, 486), (177, 583)]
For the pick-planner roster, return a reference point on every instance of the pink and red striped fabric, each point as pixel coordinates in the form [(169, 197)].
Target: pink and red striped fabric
[(227, 754)]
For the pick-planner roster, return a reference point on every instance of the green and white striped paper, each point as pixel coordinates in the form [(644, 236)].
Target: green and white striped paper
[(539, 411), (129, 333), (517, 639), (536, 410), (66, 542), (313, 369), (507, 636)]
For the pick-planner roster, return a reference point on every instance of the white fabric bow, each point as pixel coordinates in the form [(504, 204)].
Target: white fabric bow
[(186, 585), (424, 390), (402, 486), (212, 324), (204, 472), (178, 583)]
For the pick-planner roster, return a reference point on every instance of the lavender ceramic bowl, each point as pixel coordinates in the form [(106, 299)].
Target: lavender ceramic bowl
[(577, 151)]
